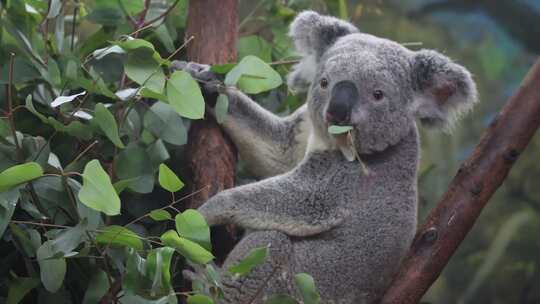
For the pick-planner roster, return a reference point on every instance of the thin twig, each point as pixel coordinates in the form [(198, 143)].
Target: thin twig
[(246, 19), (171, 205), (90, 146), (280, 62), (163, 15), (180, 47)]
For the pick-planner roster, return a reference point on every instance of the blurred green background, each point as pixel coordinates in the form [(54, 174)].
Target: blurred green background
[(498, 41)]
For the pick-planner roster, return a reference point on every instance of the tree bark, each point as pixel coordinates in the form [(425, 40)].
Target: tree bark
[(212, 155), (474, 184)]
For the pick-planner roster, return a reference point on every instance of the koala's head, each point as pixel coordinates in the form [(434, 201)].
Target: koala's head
[(375, 85)]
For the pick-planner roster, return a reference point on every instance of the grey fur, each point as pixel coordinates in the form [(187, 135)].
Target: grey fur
[(322, 215)]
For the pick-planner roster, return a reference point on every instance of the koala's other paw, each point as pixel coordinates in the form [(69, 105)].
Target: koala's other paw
[(201, 72)]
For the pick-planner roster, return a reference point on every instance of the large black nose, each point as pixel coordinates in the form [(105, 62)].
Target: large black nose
[(342, 99)]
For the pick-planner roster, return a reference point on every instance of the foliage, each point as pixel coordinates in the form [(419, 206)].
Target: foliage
[(94, 124)]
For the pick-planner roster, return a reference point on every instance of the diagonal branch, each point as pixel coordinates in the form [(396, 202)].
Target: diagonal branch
[(470, 190)]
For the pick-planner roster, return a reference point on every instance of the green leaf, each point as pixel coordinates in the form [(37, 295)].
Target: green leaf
[(134, 163), (163, 122), (29, 239), (8, 202), (199, 299), (191, 225), (75, 128), (142, 67), (52, 270), (256, 46), (281, 299), (339, 129), (306, 284), (97, 287), (165, 37), (69, 239), (22, 72), (184, 94), (222, 68), (253, 76), (133, 7), (134, 279), (97, 191), (222, 107), (19, 174), (53, 75), (146, 92), (158, 264), (19, 287), (190, 250), (111, 49), (160, 215), (119, 236), (58, 101), (168, 180), (256, 257), (107, 16), (106, 122), (134, 44)]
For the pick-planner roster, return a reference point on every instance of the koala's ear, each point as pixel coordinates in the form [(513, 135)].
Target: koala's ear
[(443, 90), (313, 34)]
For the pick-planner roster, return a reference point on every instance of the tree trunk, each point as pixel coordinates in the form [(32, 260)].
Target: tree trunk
[(474, 184), (212, 156)]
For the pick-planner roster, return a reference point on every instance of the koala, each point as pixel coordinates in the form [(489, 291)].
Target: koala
[(314, 208)]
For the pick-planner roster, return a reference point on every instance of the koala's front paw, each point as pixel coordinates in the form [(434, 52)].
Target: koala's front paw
[(201, 72)]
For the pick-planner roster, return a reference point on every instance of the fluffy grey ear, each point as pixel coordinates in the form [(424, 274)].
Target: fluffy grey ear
[(313, 34), (443, 90)]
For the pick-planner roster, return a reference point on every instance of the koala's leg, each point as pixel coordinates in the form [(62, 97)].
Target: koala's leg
[(269, 144), (283, 203), (272, 277)]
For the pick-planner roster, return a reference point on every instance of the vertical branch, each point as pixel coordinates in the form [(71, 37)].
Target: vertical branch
[(212, 156), (470, 190)]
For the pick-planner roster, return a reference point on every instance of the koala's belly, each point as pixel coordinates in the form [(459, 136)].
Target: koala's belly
[(354, 264)]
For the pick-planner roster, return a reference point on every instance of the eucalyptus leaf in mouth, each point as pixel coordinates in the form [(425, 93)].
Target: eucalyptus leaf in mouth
[(333, 129), (345, 142)]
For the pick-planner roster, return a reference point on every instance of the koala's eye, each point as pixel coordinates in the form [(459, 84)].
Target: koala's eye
[(378, 95), (324, 83)]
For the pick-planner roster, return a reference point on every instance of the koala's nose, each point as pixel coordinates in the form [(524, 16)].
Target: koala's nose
[(342, 99)]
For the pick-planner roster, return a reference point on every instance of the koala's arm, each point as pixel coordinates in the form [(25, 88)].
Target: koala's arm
[(273, 204), (268, 144)]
